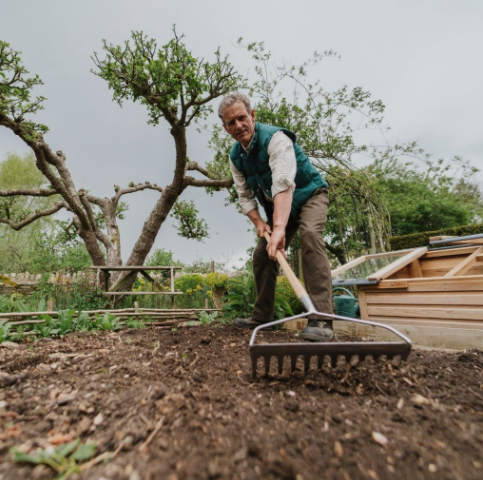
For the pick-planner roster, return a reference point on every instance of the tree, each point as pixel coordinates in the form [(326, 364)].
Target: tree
[(171, 83), (429, 198), (20, 172)]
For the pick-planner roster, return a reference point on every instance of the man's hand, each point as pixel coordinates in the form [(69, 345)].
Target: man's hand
[(276, 243), (282, 204), (259, 223)]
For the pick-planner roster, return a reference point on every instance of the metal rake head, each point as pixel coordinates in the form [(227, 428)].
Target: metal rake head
[(333, 351)]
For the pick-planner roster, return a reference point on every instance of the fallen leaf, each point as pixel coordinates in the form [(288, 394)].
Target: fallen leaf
[(60, 438)]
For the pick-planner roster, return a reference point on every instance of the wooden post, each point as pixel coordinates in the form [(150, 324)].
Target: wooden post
[(207, 304), (106, 280), (212, 266), (136, 309), (50, 305), (300, 269)]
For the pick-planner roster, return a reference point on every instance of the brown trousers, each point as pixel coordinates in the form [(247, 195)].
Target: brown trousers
[(315, 264)]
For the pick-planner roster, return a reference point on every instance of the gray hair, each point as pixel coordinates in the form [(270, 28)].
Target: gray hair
[(232, 98)]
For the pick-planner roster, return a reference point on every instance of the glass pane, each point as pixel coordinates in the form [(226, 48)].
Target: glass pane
[(364, 269)]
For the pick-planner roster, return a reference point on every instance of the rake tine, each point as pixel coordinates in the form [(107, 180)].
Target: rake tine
[(280, 364), (306, 363), (267, 365), (254, 367)]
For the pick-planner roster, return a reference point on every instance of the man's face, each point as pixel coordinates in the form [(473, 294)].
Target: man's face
[(239, 123)]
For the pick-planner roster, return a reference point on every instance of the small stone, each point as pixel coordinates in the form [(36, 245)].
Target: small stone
[(98, 420), (41, 472), (43, 367), (3, 404), (419, 400), (83, 426), (240, 455), (400, 404), (134, 476), (6, 379), (432, 468), (381, 399), (380, 438), (53, 393), (65, 398), (372, 474), (338, 449), (213, 468)]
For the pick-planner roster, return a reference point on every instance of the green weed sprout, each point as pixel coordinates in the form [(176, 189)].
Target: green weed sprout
[(64, 459)]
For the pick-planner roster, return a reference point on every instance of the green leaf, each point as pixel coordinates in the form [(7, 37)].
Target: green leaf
[(19, 456), (66, 449), (84, 452)]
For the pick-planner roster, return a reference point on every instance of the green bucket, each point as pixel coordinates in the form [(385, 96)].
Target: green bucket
[(345, 305)]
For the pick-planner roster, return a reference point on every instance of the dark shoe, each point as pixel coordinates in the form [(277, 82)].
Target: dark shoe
[(317, 331), (247, 323)]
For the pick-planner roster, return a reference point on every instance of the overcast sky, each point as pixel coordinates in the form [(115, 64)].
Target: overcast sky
[(422, 58)]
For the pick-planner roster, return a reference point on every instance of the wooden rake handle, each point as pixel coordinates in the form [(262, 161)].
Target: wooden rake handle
[(298, 288)]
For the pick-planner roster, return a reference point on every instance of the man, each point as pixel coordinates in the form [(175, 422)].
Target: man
[(268, 166)]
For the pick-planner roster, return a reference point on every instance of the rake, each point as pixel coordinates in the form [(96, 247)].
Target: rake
[(333, 350)]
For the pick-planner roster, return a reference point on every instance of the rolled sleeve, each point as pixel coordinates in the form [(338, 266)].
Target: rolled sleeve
[(245, 196), (282, 163)]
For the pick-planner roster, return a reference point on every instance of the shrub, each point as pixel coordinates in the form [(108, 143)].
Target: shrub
[(4, 330), (285, 291), (422, 239), (240, 299)]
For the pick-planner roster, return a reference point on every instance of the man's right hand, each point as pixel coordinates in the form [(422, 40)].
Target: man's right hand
[(263, 227), (259, 223)]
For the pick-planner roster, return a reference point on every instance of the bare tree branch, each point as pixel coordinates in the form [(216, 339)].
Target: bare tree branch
[(42, 192), (193, 182), (137, 188), (197, 167), (37, 215)]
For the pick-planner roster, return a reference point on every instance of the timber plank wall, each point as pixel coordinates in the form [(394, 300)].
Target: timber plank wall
[(432, 309)]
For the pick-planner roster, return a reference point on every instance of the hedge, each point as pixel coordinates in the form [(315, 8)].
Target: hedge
[(422, 239)]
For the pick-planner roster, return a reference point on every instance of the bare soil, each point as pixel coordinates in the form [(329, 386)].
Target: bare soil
[(181, 405)]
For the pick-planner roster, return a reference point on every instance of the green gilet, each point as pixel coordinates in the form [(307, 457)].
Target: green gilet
[(256, 169)]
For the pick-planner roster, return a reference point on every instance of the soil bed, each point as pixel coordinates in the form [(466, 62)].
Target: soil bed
[(189, 395)]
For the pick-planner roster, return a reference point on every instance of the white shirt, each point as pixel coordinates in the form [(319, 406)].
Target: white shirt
[(283, 164)]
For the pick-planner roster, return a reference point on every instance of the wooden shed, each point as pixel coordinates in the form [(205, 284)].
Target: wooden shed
[(433, 296)]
